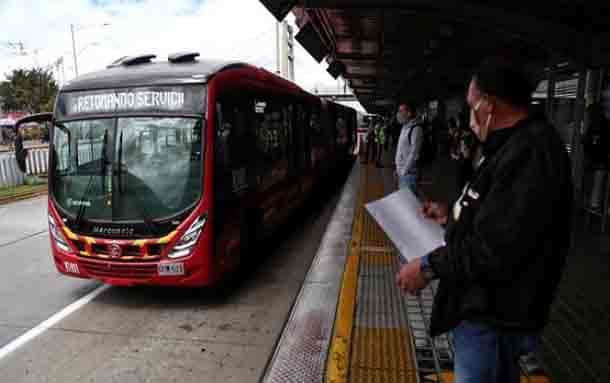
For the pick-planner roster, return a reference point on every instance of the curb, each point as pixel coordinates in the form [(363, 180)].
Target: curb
[(20, 197)]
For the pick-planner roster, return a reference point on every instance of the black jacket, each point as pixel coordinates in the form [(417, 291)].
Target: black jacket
[(506, 251)]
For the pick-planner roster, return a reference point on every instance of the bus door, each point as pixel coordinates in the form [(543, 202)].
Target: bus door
[(277, 161), (234, 178)]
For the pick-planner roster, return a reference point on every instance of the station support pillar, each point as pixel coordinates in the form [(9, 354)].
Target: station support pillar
[(550, 95), (577, 148), (589, 92)]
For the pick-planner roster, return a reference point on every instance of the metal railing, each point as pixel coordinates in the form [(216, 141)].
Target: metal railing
[(36, 163)]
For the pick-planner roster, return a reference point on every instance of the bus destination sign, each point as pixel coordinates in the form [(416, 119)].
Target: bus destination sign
[(127, 101), (174, 99)]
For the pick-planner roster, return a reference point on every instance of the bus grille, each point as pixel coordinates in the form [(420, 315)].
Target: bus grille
[(118, 270), (128, 253)]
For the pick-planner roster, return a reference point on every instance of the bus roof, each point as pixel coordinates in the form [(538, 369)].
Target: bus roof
[(150, 73)]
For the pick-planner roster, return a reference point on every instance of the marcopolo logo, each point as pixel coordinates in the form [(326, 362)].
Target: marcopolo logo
[(114, 231)]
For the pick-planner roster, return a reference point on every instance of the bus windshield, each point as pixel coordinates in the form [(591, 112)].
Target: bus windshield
[(129, 168)]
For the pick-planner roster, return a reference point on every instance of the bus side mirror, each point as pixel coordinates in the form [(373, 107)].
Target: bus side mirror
[(21, 152)]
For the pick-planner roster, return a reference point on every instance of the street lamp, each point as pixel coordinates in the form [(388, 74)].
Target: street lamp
[(74, 28)]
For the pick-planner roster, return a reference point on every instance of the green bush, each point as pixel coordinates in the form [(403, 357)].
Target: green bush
[(33, 180)]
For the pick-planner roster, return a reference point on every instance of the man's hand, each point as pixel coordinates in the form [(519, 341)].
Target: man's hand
[(435, 211), (410, 278)]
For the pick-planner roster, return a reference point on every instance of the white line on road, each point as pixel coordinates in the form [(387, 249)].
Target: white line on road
[(24, 238), (51, 321)]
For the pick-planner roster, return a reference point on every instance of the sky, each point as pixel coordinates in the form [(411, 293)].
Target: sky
[(218, 29)]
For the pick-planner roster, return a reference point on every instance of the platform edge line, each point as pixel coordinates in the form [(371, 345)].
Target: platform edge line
[(337, 366)]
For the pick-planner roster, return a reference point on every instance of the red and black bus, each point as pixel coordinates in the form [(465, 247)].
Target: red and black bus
[(167, 172)]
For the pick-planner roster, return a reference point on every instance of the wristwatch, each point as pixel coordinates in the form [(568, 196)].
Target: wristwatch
[(426, 269)]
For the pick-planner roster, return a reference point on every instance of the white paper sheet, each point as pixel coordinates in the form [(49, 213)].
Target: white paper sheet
[(400, 216)]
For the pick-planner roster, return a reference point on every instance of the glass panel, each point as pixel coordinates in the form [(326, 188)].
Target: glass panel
[(159, 167), (275, 142), (80, 158), (133, 169)]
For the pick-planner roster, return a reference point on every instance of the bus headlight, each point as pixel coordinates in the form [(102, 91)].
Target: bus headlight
[(57, 235), (189, 239)]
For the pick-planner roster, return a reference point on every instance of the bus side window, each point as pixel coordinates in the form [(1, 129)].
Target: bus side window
[(223, 131), (289, 144), (318, 139), (235, 147), (306, 129), (241, 147), (275, 141), (300, 135)]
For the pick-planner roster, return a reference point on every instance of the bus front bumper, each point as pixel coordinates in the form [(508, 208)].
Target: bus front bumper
[(187, 272)]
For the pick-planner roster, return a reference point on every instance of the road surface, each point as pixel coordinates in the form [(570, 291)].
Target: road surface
[(141, 334)]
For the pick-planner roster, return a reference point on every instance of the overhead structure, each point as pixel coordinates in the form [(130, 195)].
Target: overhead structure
[(388, 49)]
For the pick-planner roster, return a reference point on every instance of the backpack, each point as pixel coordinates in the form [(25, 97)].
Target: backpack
[(426, 151)]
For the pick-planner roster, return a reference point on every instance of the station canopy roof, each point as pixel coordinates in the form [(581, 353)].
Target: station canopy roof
[(426, 49)]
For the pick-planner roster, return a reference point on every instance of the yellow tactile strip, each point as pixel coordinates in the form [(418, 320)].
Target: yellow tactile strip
[(384, 357), (378, 258), (364, 354), (373, 235), (338, 356)]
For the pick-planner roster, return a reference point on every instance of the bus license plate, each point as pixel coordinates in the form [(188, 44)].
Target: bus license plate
[(169, 269)]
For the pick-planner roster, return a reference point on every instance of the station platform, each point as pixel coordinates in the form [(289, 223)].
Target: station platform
[(350, 322)]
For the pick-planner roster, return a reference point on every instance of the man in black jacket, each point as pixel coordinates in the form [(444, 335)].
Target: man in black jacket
[(507, 234)]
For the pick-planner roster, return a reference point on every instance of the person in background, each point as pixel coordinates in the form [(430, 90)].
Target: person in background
[(462, 151), (507, 237), (452, 129), (371, 147), (388, 133), (438, 130), (408, 148), (380, 142)]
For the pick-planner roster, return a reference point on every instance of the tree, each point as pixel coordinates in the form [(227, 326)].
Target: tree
[(30, 90)]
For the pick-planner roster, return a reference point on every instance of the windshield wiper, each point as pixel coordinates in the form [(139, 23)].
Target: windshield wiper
[(120, 167), (83, 206), (150, 225), (145, 216), (104, 161)]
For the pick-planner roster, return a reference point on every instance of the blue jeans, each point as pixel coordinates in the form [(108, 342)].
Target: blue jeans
[(484, 354), (408, 180)]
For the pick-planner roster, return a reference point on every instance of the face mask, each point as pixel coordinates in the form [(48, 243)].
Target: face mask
[(480, 131)]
